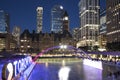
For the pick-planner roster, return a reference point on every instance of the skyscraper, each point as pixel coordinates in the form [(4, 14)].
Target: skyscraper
[(4, 22), (57, 13), (39, 19), (113, 24), (89, 20)]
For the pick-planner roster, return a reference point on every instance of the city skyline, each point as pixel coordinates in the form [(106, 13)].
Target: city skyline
[(23, 13)]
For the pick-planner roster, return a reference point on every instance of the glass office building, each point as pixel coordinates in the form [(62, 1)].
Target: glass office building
[(4, 22), (57, 13), (102, 30)]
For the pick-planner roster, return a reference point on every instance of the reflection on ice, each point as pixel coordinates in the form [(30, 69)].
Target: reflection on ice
[(95, 64), (63, 73), (92, 70)]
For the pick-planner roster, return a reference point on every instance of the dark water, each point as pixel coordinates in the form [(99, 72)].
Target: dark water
[(67, 70)]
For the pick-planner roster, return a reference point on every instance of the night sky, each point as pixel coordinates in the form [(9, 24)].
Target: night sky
[(23, 12)]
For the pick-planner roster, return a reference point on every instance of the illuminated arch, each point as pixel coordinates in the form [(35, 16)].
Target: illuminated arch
[(76, 50)]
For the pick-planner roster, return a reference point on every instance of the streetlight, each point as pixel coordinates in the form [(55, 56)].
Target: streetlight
[(63, 47)]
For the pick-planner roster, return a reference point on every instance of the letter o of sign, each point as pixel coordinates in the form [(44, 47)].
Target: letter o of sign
[(7, 71)]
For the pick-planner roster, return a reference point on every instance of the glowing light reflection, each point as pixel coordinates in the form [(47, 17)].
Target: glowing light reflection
[(95, 64), (46, 64), (63, 62), (63, 73)]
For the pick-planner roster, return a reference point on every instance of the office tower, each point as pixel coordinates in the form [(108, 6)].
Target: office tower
[(102, 30), (39, 19), (57, 13), (65, 21), (4, 22), (89, 20), (113, 24)]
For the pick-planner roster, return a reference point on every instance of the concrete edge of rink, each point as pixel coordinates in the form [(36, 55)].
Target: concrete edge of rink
[(27, 72)]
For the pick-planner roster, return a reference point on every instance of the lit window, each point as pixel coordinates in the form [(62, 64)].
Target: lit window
[(28, 46), (113, 32), (22, 40), (22, 46), (22, 50)]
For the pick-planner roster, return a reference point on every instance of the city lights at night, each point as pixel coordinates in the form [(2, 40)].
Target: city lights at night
[(60, 40)]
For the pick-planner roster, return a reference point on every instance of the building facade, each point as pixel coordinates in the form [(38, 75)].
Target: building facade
[(37, 42), (57, 13), (89, 20), (113, 24), (102, 30), (39, 19), (4, 22), (7, 42), (76, 34)]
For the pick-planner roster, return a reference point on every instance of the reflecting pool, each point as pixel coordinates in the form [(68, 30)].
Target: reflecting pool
[(70, 69)]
